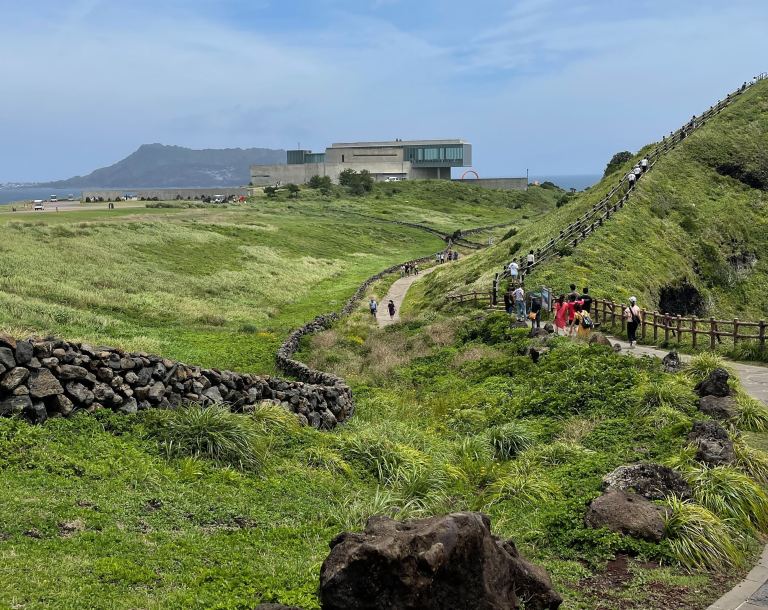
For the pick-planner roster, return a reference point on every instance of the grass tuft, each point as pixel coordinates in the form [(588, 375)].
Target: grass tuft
[(510, 439), (751, 414)]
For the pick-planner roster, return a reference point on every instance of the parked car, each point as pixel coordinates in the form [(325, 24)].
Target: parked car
[(38, 205)]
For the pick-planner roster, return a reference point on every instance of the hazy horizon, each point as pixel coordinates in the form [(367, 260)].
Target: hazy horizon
[(551, 86)]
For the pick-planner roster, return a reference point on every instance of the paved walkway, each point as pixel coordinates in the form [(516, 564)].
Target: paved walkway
[(397, 293), (752, 592)]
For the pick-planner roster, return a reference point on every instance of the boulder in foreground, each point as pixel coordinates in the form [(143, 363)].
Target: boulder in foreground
[(628, 514), (451, 562)]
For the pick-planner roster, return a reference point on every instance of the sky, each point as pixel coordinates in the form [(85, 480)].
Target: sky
[(551, 86)]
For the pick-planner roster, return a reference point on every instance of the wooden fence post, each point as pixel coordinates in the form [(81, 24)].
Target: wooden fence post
[(655, 326), (643, 324), (712, 333), (761, 335), (693, 331), (679, 328), (735, 331), (623, 319), (666, 328)]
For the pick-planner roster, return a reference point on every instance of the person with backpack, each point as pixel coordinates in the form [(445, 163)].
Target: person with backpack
[(582, 322), (586, 300), (391, 308), (634, 316), (373, 306)]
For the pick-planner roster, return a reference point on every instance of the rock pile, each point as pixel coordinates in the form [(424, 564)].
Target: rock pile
[(713, 445), (52, 378), (715, 394)]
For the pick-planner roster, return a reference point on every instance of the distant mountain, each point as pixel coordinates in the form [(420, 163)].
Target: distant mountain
[(157, 165)]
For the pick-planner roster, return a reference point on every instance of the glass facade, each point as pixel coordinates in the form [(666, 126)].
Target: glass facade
[(435, 155), (300, 157)]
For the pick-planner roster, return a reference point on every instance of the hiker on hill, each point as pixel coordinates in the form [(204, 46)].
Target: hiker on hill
[(631, 179), (644, 164), (582, 322), (508, 302), (530, 260), (455, 255), (561, 313), (633, 315), (637, 170), (519, 296), (513, 269), (415, 269), (586, 300), (573, 293), (391, 308), (535, 314), (373, 306)]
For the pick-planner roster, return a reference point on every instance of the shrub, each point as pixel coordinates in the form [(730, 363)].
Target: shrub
[(752, 461), (698, 539), (509, 439), (211, 432), (381, 457), (511, 233), (564, 250), (558, 452), (474, 465), (619, 159), (269, 417), (521, 485), (669, 417), (671, 391), (751, 414), (730, 494), (327, 459), (701, 365)]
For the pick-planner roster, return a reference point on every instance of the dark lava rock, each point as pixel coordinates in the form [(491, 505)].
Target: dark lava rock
[(440, 563), (42, 383), (628, 514), (671, 362), (24, 352), (14, 378), (714, 385), (549, 328), (536, 352), (652, 481), (712, 443), (719, 407), (14, 405), (69, 372), (599, 339)]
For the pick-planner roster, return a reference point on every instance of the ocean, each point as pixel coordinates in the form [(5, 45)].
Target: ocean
[(10, 195)]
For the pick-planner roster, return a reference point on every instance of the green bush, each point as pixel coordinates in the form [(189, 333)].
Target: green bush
[(211, 432), (751, 414), (521, 485), (752, 461), (669, 391), (698, 539), (730, 494), (702, 365), (509, 439)]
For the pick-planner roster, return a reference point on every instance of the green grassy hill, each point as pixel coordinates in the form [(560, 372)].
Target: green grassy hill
[(698, 219), (221, 286)]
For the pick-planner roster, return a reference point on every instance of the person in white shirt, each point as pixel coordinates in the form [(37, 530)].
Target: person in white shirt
[(644, 164), (513, 270), (631, 178), (519, 295), (634, 316), (530, 260), (637, 170)]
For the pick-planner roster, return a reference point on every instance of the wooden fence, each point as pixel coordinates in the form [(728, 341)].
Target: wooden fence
[(703, 332), (472, 297)]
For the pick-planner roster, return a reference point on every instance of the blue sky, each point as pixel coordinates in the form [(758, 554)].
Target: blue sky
[(551, 85)]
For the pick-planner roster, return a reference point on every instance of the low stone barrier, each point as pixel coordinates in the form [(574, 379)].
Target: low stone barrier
[(47, 378)]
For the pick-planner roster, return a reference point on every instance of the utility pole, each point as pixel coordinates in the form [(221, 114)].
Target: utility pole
[(527, 181)]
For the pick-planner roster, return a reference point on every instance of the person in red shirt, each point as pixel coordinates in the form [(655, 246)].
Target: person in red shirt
[(561, 314)]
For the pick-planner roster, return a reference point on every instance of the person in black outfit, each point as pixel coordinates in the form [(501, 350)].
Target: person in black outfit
[(586, 300), (507, 302), (536, 308)]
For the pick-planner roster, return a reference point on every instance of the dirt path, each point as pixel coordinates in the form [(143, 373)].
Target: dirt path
[(397, 293)]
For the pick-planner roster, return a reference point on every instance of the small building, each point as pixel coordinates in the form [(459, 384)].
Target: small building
[(386, 161)]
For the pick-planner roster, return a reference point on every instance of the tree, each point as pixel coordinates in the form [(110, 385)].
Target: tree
[(293, 191), (347, 177), (322, 183), (619, 159), (270, 191)]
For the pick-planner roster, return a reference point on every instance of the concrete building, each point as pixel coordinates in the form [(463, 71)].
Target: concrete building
[(405, 160)]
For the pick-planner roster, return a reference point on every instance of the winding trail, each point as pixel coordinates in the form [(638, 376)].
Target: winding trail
[(396, 293), (752, 592)]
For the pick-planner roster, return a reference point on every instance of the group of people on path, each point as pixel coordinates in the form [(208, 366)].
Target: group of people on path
[(515, 302), (640, 168), (513, 268), (409, 269), (573, 313), (373, 307), (446, 256)]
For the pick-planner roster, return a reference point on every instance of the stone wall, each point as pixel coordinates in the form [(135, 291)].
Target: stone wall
[(47, 378)]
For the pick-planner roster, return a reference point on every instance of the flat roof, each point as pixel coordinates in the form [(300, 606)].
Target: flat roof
[(397, 143)]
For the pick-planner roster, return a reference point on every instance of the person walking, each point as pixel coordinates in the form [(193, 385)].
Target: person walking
[(415, 269), (561, 314), (573, 293), (373, 306), (391, 308), (508, 302), (535, 314), (644, 165), (637, 171), (519, 296), (631, 179), (634, 316), (513, 269), (582, 322), (586, 300), (530, 260)]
